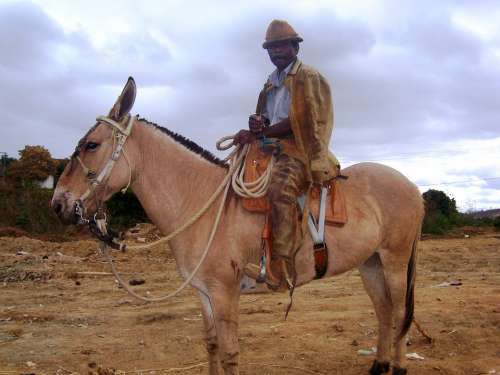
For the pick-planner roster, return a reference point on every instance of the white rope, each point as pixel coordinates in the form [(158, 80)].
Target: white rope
[(237, 160), (252, 189), (104, 249), (241, 188), (234, 178)]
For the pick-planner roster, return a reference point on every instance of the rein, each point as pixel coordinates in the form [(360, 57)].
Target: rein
[(236, 161), (98, 225)]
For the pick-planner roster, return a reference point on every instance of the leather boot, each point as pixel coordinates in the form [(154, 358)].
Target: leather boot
[(275, 279)]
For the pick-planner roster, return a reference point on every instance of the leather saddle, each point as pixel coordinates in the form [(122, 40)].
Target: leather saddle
[(256, 164)]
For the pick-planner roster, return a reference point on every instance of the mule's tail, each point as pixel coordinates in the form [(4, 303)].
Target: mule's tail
[(410, 287)]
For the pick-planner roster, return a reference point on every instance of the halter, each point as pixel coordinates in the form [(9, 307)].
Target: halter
[(121, 131)]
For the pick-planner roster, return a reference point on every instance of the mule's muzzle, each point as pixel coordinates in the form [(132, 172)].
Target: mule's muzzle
[(63, 210)]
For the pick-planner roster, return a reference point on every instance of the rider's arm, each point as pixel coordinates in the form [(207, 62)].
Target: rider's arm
[(279, 130)]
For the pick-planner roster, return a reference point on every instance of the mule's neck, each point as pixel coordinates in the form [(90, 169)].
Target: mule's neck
[(171, 181)]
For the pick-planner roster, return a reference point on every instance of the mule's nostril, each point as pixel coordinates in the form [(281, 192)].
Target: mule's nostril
[(58, 208)]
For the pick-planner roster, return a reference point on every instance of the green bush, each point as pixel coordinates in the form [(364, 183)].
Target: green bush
[(496, 223), (28, 208), (436, 223), (25, 205), (441, 213), (125, 210)]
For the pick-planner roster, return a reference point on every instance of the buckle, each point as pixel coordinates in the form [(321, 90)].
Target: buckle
[(319, 246), (79, 212)]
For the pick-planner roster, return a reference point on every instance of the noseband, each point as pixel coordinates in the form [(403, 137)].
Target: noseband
[(121, 131)]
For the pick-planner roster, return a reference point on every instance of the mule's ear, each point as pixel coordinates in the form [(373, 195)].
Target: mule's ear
[(125, 101)]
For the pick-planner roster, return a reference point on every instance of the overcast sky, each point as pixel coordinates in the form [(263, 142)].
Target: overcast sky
[(416, 84)]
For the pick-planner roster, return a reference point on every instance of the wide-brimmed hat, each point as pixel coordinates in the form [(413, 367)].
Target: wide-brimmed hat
[(279, 31)]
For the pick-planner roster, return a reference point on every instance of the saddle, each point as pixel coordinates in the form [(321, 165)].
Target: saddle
[(256, 164)]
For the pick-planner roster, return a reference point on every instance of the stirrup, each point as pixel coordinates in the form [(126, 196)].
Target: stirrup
[(256, 272), (260, 275)]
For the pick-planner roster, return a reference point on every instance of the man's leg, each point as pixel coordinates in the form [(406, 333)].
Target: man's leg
[(287, 183)]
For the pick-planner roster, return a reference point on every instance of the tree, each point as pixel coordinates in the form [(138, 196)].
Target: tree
[(441, 212), (60, 166), (35, 164), (496, 223), (5, 161)]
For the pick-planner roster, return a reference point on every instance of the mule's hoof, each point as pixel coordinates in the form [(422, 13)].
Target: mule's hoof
[(398, 371), (379, 367)]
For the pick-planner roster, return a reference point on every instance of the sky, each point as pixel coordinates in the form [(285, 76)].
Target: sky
[(416, 84)]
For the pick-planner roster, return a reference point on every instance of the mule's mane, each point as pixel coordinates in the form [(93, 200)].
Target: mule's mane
[(189, 144)]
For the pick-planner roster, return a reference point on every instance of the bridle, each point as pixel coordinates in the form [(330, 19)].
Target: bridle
[(121, 131)]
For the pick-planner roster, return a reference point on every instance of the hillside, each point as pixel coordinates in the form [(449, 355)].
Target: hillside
[(486, 214)]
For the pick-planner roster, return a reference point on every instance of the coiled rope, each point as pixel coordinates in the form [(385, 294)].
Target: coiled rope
[(251, 189)]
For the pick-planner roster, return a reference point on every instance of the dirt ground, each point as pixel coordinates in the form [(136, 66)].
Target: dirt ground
[(55, 320)]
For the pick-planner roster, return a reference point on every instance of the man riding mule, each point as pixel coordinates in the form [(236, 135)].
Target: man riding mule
[(295, 104), (172, 178)]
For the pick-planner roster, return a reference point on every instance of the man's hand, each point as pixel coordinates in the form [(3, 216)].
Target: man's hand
[(320, 177), (319, 171), (256, 124), (243, 137)]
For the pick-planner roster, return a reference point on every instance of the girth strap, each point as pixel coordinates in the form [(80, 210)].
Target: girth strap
[(317, 230)]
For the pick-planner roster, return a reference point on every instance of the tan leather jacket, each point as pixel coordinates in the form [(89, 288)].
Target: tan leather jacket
[(311, 117)]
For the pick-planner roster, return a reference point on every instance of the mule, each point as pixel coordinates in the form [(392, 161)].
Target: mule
[(172, 177)]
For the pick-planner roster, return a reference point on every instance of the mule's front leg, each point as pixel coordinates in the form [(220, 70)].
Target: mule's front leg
[(226, 311), (210, 335)]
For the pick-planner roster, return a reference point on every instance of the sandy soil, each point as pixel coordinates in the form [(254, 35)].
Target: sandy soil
[(54, 320)]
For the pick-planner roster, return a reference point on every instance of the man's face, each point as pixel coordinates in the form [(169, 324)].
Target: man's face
[(282, 53)]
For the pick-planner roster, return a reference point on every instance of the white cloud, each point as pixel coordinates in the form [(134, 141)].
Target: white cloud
[(412, 82), (467, 170)]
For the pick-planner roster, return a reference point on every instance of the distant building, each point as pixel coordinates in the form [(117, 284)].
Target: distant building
[(48, 183)]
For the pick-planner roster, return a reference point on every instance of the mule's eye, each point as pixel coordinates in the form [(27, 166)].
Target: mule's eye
[(90, 146)]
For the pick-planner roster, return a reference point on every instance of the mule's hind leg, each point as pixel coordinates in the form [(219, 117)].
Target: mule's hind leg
[(210, 335), (372, 274), (398, 272)]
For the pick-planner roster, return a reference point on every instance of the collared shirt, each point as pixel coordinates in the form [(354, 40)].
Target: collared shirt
[(278, 98)]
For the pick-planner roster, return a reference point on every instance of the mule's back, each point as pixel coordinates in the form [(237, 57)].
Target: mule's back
[(386, 194), (385, 210)]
